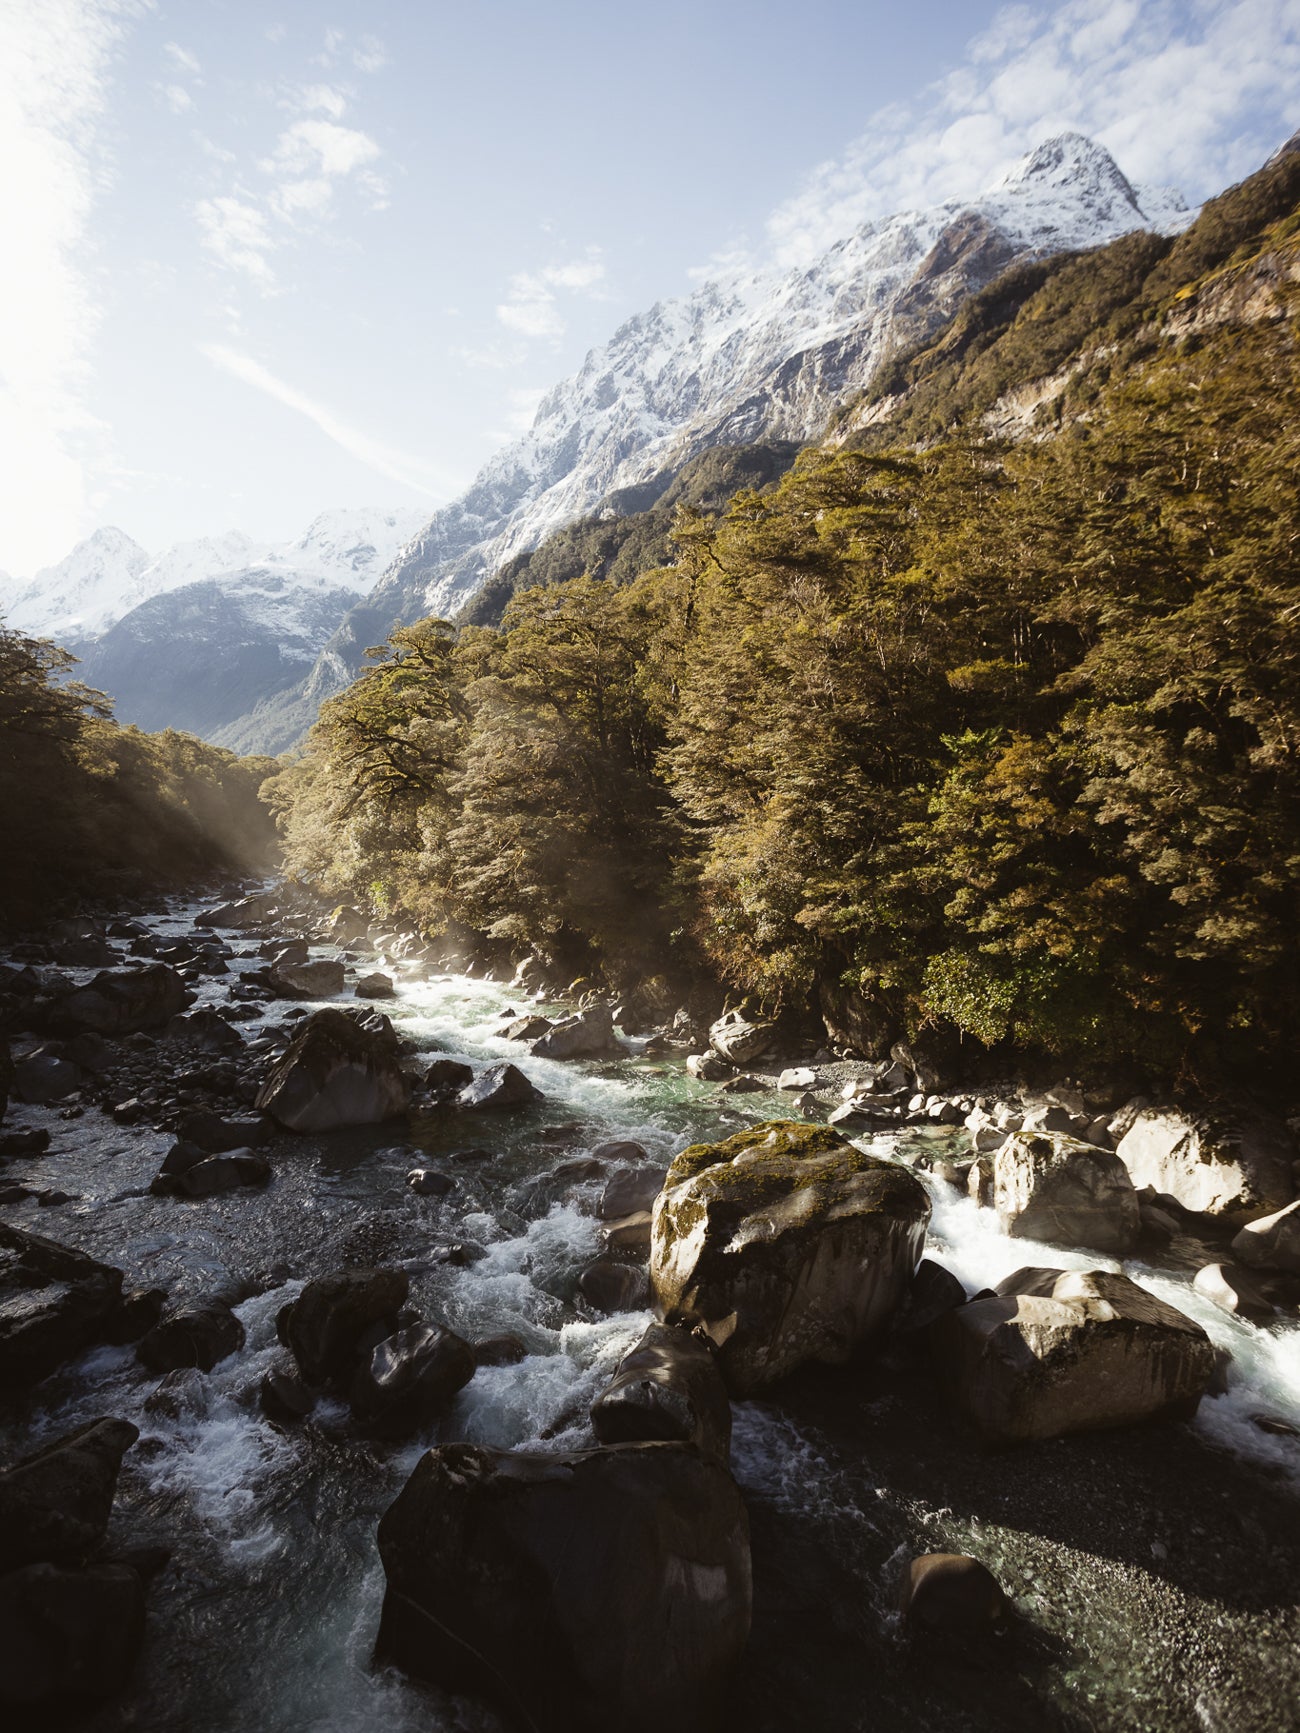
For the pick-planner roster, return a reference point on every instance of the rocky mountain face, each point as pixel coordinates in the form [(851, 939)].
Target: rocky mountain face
[(197, 636), (758, 355)]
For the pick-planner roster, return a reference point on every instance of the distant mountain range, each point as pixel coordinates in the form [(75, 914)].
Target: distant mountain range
[(766, 355)]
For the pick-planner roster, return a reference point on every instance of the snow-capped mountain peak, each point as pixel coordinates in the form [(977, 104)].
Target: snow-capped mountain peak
[(99, 581)]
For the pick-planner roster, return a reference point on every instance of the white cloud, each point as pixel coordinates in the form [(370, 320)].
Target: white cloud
[(1193, 93), (318, 98), (236, 233), (55, 63), (383, 459), (323, 146), (531, 306), (370, 56), (177, 98), (182, 59)]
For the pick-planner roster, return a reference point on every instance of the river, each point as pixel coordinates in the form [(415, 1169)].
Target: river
[(1155, 1573)]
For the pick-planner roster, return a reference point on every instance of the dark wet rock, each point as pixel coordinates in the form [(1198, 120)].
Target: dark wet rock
[(1235, 1290), (1051, 1187), (562, 1134), (428, 1182), (287, 951), (739, 1039), (334, 1073), (500, 1351), (471, 1155), (54, 1302), (448, 1075), (1272, 1242), (1059, 1351), (284, 1395), (182, 1394), (375, 986), (67, 1637), (55, 1504), (89, 951), (630, 1190), (207, 1030), (1217, 1165), (139, 1311), (581, 1592), (667, 1387), (198, 1332), (525, 1029), (609, 1285), (951, 1593), (221, 1173), (587, 1034), (15, 1193), (742, 1085), (410, 1377), (41, 1078), (325, 1326), (784, 1244), (499, 1086), (122, 1002), (934, 1291), (25, 1142), (322, 979), (535, 1195), (53, 1197), (629, 1234), (92, 1053), (460, 1254)]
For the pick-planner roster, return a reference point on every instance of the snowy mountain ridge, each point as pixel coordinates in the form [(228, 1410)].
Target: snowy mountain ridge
[(108, 575)]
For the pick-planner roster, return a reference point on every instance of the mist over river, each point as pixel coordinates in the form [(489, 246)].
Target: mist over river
[(1154, 1573)]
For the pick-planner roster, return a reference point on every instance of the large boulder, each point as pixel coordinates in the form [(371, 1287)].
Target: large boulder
[(584, 1035), (499, 1086), (55, 1504), (40, 1078), (67, 1638), (667, 1387), (784, 1244), (200, 1332), (409, 1378), (1057, 1351), (247, 912), (952, 1593), (54, 1302), (1050, 1187), (1237, 1169), (739, 1039), (1272, 1242), (291, 979), (122, 1001), (325, 1326), (580, 1592), (334, 1073)]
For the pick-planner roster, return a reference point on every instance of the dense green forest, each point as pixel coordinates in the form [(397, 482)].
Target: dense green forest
[(93, 810), (939, 730)]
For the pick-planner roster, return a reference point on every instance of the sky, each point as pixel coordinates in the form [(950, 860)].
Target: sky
[(266, 259)]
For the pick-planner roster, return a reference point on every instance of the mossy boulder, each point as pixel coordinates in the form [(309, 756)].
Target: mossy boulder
[(784, 1244)]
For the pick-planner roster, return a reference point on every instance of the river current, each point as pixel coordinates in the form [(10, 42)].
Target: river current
[(265, 1616)]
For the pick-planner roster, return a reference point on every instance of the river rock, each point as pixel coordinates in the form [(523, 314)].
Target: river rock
[(55, 1504), (609, 1285), (707, 1067), (629, 1191), (122, 1001), (1235, 1290), (581, 1592), (784, 1244), (221, 1173), (67, 1637), (375, 986), (334, 1073), (428, 1182), (934, 1291), (952, 1593), (410, 1377), (1235, 1168), (321, 979), (323, 1328), (285, 1396), (499, 1086), (1272, 1242), (1059, 1351), (246, 912), (525, 1028), (667, 1387), (200, 1332), (739, 1039), (54, 1302), (797, 1078), (448, 1075), (1050, 1187), (41, 1078), (587, 1033), (214, 1135)]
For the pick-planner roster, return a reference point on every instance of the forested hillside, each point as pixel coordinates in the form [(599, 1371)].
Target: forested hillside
[(94, 810), (945, 729)]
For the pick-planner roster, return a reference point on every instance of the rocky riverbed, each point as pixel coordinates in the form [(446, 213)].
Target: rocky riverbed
[(1152, 1573)]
